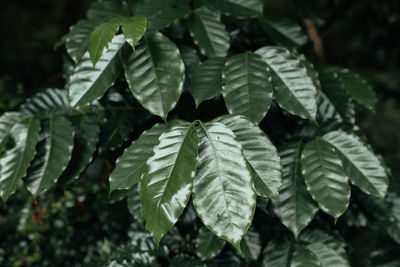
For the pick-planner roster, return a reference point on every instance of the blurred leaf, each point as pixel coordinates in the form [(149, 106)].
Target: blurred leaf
[(208, 245), (238, 8)]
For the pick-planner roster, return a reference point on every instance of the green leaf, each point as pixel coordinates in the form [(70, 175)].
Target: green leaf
[(325, 177), (167, 184), (134, 204), (284, 31), (102, 37), (247, 87), (335, 91), (161, 13), (327, 111), (260, 154), (50, 102), (208, 33), (327, 256), (191, 59), (332, 240), (358, 88), (296, 208), (206, 82), (362, 166), (15, 162), (277, 254), (54, 151), (155, 74), (7, 122), (223, 191), (251, 245), (208, 245), (105, 9), (238, 8), (87, 133), (133, 29), (132, 164), (87, 83), (294, 89), (303, 257)]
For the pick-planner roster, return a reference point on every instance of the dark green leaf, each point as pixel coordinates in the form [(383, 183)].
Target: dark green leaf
[(54, 151), (303, 257), (15, 162), (327, 256), (208, 33), (223, 191), (191, 59), (208, 245), (362, 166), (260, 153), (155, 74), (87, 83), (167, 184), (296, 208), (325, 177), (238, 8), (251, 245), (207, 82), (50, 102), (104, 9), (277, 254), (294, 88), (247, 87), (132, 164)]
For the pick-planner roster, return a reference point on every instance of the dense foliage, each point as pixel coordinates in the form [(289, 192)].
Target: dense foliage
[(211, 125)]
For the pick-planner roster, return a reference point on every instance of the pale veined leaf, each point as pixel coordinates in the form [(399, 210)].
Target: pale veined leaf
[(238, 8), (50, 102), (208, 245), (7, 121)]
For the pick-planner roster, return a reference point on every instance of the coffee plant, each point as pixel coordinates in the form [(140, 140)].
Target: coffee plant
[(230, 143)]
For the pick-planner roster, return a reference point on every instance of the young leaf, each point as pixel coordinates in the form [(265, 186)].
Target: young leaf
[(260, 154), (284, 31), (50, 102), (87, 83), (327, 256), (294, 89), (131, 165), (208, 33), (238, 8), (362, 166), (155, 74), (303, 257), (167, 184), (133, 29), (15, 162), (251, 245), (296, 208), (325, 177), (247, 87), (208, 245), (206, 82), (54, 151), (102, 37), (223, 192), (7, 121)]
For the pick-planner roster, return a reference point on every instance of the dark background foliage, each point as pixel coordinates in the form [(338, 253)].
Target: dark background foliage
[(79, 224)]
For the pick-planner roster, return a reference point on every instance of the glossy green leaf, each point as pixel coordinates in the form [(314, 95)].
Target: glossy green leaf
[(15, 162), (162, 13), (223, 191), (132, 164), (294, 89), (105, 9), (168, 182), (87, 83), (247, 87), (303, 257), (325, 177), (207, 82), (134, 204), (7, 122), (335, 91), (208, 33), (87, 133), (251, 245), (277, 254), (284, 31), (155, 74), (102, 37), (327, 256), (260, 154), (237, 8), (296, 208), (362, 166), (54, 151), (133, 29), (208, 245), (50, 102)]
